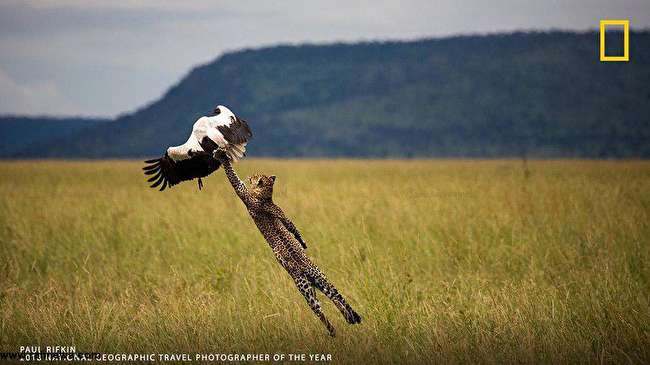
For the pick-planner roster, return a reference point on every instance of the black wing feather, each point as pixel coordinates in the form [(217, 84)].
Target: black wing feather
[(169, 172), (208, 145), (158, 182), (150, 167), (237, 132)]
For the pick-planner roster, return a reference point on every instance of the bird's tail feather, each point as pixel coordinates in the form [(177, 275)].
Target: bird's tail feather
[(236, 152)]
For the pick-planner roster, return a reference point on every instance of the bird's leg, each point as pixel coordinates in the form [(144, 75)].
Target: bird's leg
[(200, 184)]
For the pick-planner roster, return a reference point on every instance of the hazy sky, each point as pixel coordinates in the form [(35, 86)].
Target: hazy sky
[(103, 58)]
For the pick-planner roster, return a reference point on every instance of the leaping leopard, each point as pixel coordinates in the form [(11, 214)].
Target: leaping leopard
[(286, 242)]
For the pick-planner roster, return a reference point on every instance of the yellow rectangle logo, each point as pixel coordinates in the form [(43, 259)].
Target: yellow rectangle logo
[(626, 41)]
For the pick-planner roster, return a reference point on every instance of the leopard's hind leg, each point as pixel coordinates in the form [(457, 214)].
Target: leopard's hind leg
[(320, 281), (307, 290)]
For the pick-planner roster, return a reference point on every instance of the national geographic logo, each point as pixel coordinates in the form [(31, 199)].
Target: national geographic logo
[(625, 57)]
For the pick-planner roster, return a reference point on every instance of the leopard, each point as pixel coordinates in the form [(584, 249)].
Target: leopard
[(286, 242)]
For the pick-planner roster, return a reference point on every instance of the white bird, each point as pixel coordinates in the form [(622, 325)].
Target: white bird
[(193, 159)]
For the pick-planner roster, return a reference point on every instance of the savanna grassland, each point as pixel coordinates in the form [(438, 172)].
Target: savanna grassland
[(446, 261)]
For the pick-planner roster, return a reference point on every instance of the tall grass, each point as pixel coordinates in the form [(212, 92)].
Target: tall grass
[(446, 261)]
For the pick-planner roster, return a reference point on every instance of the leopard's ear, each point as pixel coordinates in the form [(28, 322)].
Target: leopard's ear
[(272, 177)]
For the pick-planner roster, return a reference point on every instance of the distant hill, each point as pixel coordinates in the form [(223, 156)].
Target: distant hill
[(538, 94), (30, 134)]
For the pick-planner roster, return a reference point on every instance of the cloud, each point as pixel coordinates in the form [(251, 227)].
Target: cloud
[(34, 99)]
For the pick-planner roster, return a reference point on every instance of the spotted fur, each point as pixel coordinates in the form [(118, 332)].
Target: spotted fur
[(286, 242)]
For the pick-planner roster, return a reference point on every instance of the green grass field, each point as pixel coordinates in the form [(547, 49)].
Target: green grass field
[(446, 261)]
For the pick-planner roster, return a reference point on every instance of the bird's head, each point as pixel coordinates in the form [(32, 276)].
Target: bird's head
[(261, 186), (222, 112)]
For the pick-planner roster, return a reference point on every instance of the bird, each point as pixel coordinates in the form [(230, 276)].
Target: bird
[(194, 158)]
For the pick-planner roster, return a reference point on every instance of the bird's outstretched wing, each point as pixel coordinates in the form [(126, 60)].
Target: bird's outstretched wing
[(167, 172), (236, 132)]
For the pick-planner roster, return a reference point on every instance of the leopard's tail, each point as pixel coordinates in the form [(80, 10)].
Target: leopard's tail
[(330, 291)]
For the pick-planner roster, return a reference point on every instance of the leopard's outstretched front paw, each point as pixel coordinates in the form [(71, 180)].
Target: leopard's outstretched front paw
[(220, 154)]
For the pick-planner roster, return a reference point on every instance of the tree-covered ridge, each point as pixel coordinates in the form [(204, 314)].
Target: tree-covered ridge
[(30, 134), (538, 94)]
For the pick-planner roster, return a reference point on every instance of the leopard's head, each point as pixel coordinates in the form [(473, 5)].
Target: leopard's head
[(261, 186)]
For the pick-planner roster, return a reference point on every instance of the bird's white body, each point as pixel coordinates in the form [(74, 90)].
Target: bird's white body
[(208, 127)]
